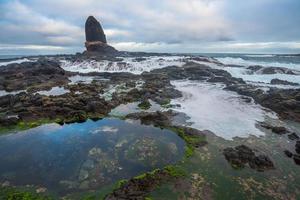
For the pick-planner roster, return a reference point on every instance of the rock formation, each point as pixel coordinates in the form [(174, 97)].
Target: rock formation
[(94, 31), (95, 38)]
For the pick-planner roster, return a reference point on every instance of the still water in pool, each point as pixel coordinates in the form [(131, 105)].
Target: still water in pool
[(83, 156)]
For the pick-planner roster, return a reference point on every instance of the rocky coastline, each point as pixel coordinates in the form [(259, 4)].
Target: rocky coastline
[(29, 102)]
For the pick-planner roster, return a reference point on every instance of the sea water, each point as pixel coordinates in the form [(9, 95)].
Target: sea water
[(85, 155)]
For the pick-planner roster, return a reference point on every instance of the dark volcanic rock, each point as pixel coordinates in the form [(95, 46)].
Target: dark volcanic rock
[(255, 67), (280, 130), (96, 39), (162, 119), (277, 70), (271, 70), (293, 136), (241, 155), (261, 163), (297, 159), (42, 74), (99, 47), (195, 71), (139, 188), (288, 153), (238, 156), (297, 147), (94, 31), (281, 82), (284, 102)]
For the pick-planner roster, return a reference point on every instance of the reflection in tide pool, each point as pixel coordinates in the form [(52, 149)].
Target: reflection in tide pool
[(85, 155)]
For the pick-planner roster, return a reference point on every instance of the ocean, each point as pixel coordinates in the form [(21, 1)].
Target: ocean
[(267, 60)]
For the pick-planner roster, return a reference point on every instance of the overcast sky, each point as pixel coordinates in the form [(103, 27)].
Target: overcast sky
[(57, 26)]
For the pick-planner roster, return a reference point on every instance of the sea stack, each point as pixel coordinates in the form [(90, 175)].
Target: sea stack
[(95, 37)]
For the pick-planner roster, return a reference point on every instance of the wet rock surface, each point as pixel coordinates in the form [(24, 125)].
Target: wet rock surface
[(162, 119), (194, 137), (280, 130), (272, 70), (138, 188), (293, 136), (42, 74), (96, 99), (282, 82), (68, 107), (242, 155), (286, 103), (195, 71)]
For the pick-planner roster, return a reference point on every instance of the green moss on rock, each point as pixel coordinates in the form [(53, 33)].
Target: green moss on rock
[(9, 193), (175, 171), (144, 105)]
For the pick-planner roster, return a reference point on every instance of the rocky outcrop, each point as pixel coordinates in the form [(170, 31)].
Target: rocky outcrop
[(241, 155), (279, 130), (42, 74), (94, 31), (195, 71), (257, 69), (95, 38), (277, 81), (286, 103)]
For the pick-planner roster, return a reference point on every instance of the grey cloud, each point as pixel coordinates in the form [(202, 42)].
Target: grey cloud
[(152, 24)]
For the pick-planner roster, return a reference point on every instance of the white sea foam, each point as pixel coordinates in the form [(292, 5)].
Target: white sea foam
[(4, 93), (242, 62), (256, 79), (129, 64), (222, 112), (81, 79), (84, 79), (55, 91), (260, 78), (260, 55), (126, 65), (18, 61)]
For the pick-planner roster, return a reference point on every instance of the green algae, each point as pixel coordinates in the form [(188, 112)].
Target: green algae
[(120, 183), (175, 171), (189, 151), (9, 193), (191, 140), (144, 105), (147, 174), (220, 181), (25, 125), (165, 103)]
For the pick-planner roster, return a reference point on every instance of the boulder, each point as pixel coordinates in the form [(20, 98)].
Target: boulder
[(297, 159), (297, 147), (277, 81), (293, 136), (241, 155), (288, 153)]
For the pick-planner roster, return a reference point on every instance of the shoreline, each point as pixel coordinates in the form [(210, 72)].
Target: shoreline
[(110, 90)]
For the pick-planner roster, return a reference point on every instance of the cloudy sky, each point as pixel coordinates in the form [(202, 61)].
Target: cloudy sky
[(57, 26)]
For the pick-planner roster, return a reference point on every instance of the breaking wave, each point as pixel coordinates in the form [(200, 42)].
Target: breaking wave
[(131, 65), (18, 61), (246, 63)]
